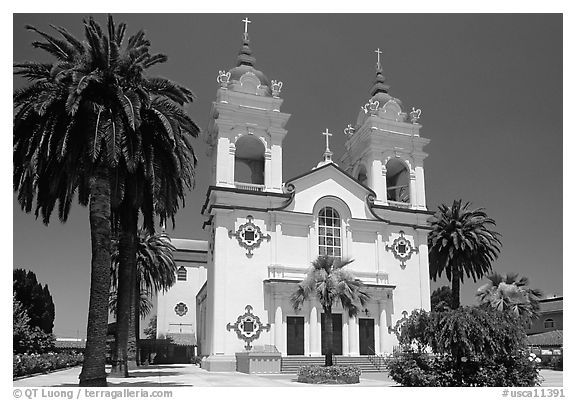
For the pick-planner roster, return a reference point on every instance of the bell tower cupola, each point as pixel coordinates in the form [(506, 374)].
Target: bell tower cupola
[(246, 128), (384, 149)]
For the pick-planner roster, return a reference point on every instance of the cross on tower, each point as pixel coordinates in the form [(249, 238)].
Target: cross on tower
[(246, 22), (327, 134), (378, 52)]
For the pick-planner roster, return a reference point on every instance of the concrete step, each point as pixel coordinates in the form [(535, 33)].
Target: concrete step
[(291, 364)]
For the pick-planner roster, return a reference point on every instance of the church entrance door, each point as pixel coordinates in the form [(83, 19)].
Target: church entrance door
[(336, 332), (295, 335), (366, 332)]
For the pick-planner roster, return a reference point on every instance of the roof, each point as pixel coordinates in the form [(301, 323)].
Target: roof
[(64, 343), (551, 304), (182, 339), (552, 338)]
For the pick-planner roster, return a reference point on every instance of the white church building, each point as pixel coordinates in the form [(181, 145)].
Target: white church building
[(265, 229)]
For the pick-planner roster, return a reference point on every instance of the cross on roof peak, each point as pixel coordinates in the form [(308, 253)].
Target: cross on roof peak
[(327, 134), (378, 52), (246, 22)]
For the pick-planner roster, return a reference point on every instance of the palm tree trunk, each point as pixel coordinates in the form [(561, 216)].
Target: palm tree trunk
[(455, 349), (127, 264), (329, 334), (136, 319), (94, 365), (455, 286), (132, 341)]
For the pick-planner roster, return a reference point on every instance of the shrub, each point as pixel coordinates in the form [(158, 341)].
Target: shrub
[(464, 347), (334, 374), (26, 364)]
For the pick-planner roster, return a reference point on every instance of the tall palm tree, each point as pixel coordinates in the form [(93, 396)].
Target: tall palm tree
[(76, 129), (461, 243), (155, 271), (510, 293), (330, 284)]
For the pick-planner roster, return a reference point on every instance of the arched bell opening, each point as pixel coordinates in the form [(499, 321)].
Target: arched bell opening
[(249, 161), (362, 175), (397, 181)]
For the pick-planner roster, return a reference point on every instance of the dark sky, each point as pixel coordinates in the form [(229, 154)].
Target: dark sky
[(489, 86)]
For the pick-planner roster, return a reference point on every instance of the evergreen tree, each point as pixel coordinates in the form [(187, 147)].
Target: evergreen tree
[(35, 299)]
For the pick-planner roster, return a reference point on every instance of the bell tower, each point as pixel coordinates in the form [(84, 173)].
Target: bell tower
[(384, 150), (246, 127)]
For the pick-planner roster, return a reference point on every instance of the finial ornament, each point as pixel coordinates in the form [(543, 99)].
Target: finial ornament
[(415, 115), (276, 87), (246, 22), (349, 130), (223, 78), (378, 52), (371, 106)]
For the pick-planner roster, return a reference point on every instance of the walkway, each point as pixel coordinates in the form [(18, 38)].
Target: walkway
[(191, 375)]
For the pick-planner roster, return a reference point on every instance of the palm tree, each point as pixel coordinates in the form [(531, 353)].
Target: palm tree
[(461, 243), (156, 271), (330, 284), (510, 293), (76, 129), (157, 187)]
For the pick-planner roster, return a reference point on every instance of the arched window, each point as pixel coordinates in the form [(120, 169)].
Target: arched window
[(329, 233), (182, 274), (548, 323)]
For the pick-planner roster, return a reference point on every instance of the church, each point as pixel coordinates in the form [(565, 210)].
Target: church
[(233, 290)]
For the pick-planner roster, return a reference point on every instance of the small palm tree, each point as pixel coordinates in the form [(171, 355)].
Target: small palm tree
[(330, 284), (155, 271), (461, 243), (510, 293)]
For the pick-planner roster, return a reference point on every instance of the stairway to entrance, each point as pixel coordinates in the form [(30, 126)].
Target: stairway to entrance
[(290, 364)]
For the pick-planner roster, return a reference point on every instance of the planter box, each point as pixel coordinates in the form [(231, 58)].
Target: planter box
[(259, 361)]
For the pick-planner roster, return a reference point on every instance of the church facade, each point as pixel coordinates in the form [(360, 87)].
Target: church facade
[(265, 230)]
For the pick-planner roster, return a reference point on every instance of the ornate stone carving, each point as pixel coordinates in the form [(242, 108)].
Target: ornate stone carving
[(415, 115), (249, 235), (398, 323), (248, 327), (276, 87), (223, 78), (402, 249)]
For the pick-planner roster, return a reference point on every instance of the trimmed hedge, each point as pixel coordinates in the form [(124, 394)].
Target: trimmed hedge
[(26, 364), (335, 374)]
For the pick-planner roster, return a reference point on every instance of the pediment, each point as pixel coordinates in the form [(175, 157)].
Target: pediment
[(329, 182)]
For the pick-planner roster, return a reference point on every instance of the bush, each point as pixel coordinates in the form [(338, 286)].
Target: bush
[(465, 347), (334, 374), (26, 364)]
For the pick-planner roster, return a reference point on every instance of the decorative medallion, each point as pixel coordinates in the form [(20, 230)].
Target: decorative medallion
[(402, 249), (249, 235), (248, 327), (181, 309)]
